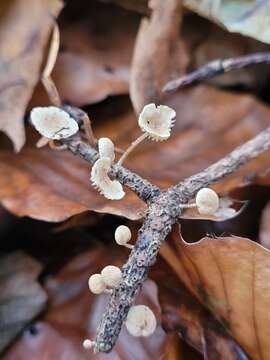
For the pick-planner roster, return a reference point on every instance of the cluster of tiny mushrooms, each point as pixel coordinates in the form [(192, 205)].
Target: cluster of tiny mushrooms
[(54, 123)]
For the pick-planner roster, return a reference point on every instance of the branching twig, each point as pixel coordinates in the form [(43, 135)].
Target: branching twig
[(143, 188), (164, 210), (217, 67)]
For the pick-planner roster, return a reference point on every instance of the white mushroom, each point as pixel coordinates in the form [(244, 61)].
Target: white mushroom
[(111, 276), (96, 284), (111, 189), (157, 121), (141, 321), (53, 123), (106, 148), (122, 236), (88, 344), (156, 124), (207, 201)]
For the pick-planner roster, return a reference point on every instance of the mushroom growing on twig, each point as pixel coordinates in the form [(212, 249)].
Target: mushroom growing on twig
[(156, 124), (53, 123), (122, 236), (111, 189), (141, 321), (111, 276)]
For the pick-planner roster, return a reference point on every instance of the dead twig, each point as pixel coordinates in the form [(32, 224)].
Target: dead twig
[(215, 68), (163, 211)]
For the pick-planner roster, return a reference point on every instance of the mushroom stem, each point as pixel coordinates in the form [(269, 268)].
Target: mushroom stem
[(129, 246), (108, 291), (132, 146), (187, 206)]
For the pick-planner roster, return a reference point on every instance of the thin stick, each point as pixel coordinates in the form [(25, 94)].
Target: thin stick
[(46, 79), (132, 146), (217, 67)]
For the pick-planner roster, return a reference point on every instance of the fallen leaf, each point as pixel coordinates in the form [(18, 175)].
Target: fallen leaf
[(22, 44), (93, 63), (21, 297), (243, 16), (182, 313), (229, 276), (159, 54), (41, 185)]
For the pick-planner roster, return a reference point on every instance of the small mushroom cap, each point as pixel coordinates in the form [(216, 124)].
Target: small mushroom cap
[(207, 201), (53, 123), (111, 276), (122, 235), (141, 321), (96, 284), (106, 148), (112, 190), (88, 344), (157, 121)]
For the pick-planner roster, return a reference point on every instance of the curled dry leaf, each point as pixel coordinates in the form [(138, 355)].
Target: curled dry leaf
[(183, 314), (22, 44), (158, 54), (230, 277), (94, 64)]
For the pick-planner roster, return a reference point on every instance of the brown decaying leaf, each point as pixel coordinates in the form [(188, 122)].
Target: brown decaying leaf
[(158, 54), (93, 63), (74, 313), (53, 186), (230, 276), (22, 43), (21, 297), (183, 314)]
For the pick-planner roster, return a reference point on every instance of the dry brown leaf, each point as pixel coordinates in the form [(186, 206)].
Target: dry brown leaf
[(182, 313), (74, 313), (21, 297), (230, 276), (243, 16), (93, 63), (53, 186), (159, 54), (22, 43)]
